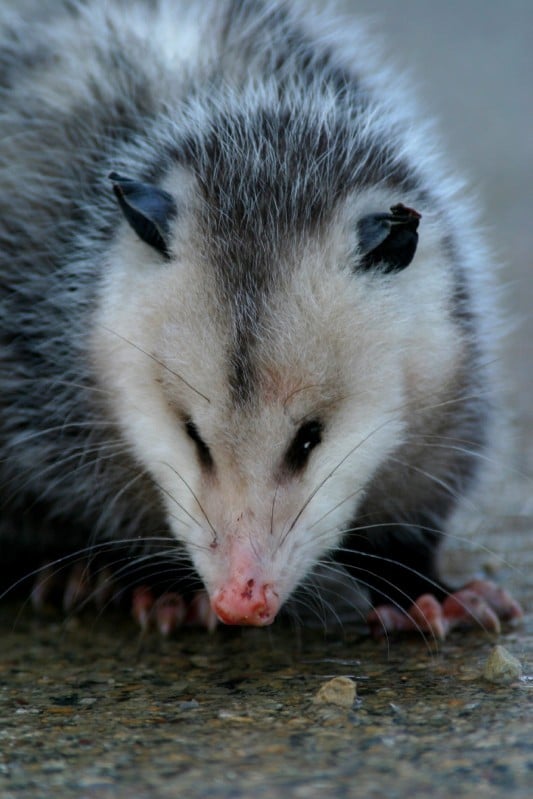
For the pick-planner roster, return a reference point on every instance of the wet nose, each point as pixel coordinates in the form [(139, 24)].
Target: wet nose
[(246, 601)]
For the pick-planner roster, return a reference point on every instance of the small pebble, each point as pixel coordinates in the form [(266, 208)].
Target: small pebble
[(338, 691), (502, 667)]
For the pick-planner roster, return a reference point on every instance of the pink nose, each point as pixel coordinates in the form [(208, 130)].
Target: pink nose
[(245, 602)]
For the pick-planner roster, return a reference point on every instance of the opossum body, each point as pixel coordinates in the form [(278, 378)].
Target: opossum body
[(242, 306)]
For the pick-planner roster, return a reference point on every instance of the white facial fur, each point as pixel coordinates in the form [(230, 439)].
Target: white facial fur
[(359, 351)]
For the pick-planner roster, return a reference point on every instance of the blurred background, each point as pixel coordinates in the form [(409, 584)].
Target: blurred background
[(472, 63)]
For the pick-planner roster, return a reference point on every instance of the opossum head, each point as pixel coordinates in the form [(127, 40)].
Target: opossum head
[(262, 384)]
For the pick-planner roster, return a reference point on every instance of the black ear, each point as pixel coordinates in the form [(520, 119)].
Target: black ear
[(148, 209), (389, 240)]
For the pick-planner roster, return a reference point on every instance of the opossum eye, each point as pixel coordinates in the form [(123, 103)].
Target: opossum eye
[(147, 209), (389, 240), (204, 453), (306, 439)]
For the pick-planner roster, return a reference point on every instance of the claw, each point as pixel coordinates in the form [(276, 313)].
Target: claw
[(169, 610), (200, 613), (166, 612), (142, 602), (429, 617), (465, 608), (480, 603), (497, 598), (388, 619)]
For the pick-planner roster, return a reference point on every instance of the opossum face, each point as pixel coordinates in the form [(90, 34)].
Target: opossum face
[(263, 412)]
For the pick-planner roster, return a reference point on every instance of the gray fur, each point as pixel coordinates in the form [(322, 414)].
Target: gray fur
[(279, 130)]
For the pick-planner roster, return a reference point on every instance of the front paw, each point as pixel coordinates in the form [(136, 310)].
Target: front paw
[(480, 603)]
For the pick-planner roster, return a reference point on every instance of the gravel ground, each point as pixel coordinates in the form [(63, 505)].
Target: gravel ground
[(88, 711)]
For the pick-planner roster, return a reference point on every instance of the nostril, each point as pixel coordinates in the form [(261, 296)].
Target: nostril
[(249, 590), (247, 603)]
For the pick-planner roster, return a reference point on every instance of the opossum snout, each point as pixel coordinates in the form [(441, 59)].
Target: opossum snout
[(246, 594), (247, 602)]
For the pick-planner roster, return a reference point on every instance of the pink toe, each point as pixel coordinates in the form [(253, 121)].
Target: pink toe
[(466, 608), (388, 619), (428, 617), (200, 613), (500, 600), (170, 610), (142, 603), (480, 603)]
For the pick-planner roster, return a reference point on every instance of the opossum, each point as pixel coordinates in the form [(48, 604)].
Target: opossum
[(245, 312)]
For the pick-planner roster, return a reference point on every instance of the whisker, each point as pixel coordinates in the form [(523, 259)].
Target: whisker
[(453, 492), (272, 511), (78, 455), (330, 474), (164, 563), (64, 560), (156, 360), (390, 599), (512, 470), (335, 533), (309, 597), (313, 585), (335, 507), (185, 483), (406, 568)]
